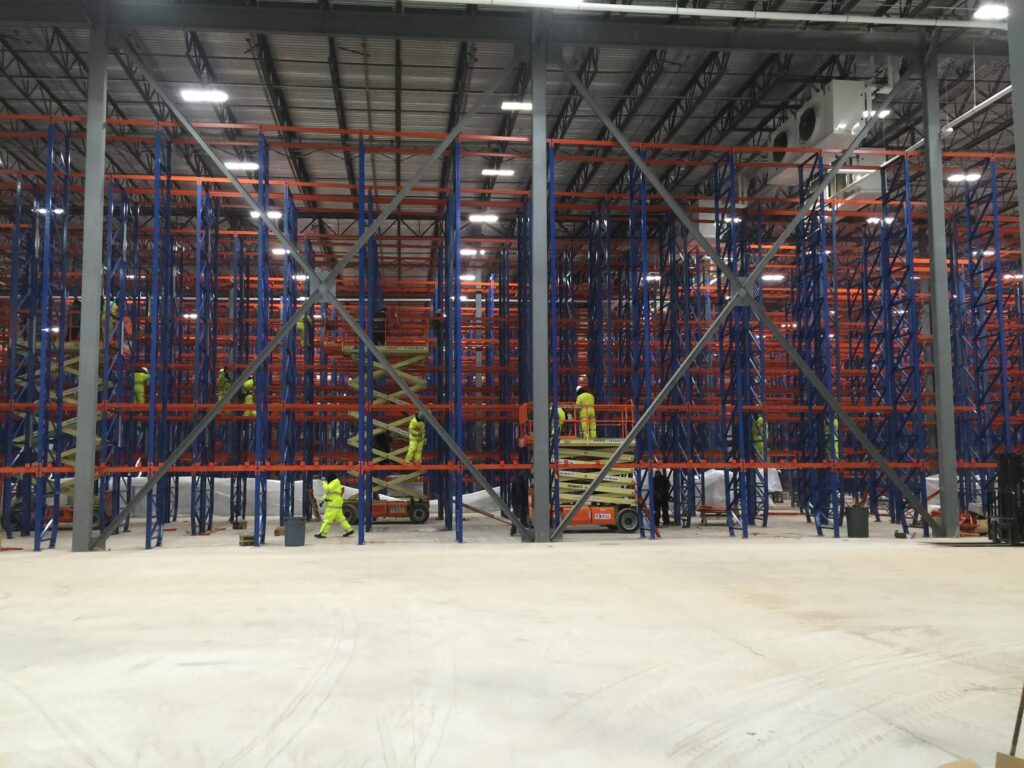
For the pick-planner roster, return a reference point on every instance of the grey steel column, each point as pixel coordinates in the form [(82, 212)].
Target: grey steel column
[(942, 348), (1015, 35), (92, 285), (539, 286)]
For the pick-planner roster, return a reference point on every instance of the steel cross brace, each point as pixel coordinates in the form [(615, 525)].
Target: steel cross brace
[(319, 291), (742, 294)]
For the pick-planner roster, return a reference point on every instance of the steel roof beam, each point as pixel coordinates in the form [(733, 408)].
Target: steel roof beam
[(564, 29), (640, 85)]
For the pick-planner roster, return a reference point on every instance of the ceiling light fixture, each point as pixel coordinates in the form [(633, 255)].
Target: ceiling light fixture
[(483, 218), (203, 95), (468, 277), (517, 106), (773, 278), (279, 251), (241, 165), (497, 172), (961, 178), (468, 252), (992, 12)]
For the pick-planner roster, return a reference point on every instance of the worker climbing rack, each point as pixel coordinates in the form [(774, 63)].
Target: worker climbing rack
[(817, 491)]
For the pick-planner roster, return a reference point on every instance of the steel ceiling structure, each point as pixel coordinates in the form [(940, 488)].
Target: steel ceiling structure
[(317, 64)]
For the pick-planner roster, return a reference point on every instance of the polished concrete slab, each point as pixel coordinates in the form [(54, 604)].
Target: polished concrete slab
[(698, 650)]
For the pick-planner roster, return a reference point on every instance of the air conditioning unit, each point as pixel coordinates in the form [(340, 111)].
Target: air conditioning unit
[(827, 120)]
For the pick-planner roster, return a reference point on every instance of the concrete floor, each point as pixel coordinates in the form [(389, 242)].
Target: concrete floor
[(785, 650)]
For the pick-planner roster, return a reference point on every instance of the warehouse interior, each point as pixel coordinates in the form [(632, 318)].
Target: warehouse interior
[(718, 304)]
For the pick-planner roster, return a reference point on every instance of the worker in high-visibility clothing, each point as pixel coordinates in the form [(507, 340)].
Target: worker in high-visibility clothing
[(561, 421), (333, 503), (834, 455), (759, 437), (588, 416), (140, 383), (223, 382), (417, 434), (249, 395)]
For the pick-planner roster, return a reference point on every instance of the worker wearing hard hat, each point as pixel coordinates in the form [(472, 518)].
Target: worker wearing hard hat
[(333, 503), (140, 383), (223, 382), (588, 416), (417, 433)]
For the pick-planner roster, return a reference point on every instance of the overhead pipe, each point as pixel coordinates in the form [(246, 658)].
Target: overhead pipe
[(859, 20)]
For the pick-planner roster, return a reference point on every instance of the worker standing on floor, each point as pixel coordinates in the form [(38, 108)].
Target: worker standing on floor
[(417, 433), (588, 416), (661, 493), (140, 383), (333, 503), (519, 502)]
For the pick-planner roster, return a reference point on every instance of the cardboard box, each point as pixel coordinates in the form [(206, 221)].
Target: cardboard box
[(1005, 761)]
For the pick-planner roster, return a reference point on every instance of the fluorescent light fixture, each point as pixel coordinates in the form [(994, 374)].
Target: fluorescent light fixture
[(44, 211), (279, 251), (1013, 277), (300, 278), (468, 277), (497, 172), (855, 127), (868, 113), (130, 277), (654, 278), (950, 129), (960, 178), (318, 317), (483, 218), (190, 316), (773, 277), (465, 298), (841, 126), (51, 330), (203, 95), (992, 12), (877, 220), (989, 252), (241, 165), (272, 215), (731, 220), (884, 113), (517, 106), (468, 252)]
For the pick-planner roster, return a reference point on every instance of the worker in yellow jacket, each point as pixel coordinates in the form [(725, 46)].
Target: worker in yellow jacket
[(223, 382), (834, 455), (333, 503), (140, 383), (249, 396), (417, 434), (588, 416), (561, 420), (759, 437)]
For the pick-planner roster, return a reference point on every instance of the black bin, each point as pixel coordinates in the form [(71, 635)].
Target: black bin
[(857, 523)]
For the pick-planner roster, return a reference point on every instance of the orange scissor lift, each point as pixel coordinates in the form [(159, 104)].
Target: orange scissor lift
[(411, 496), (580, 458)]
